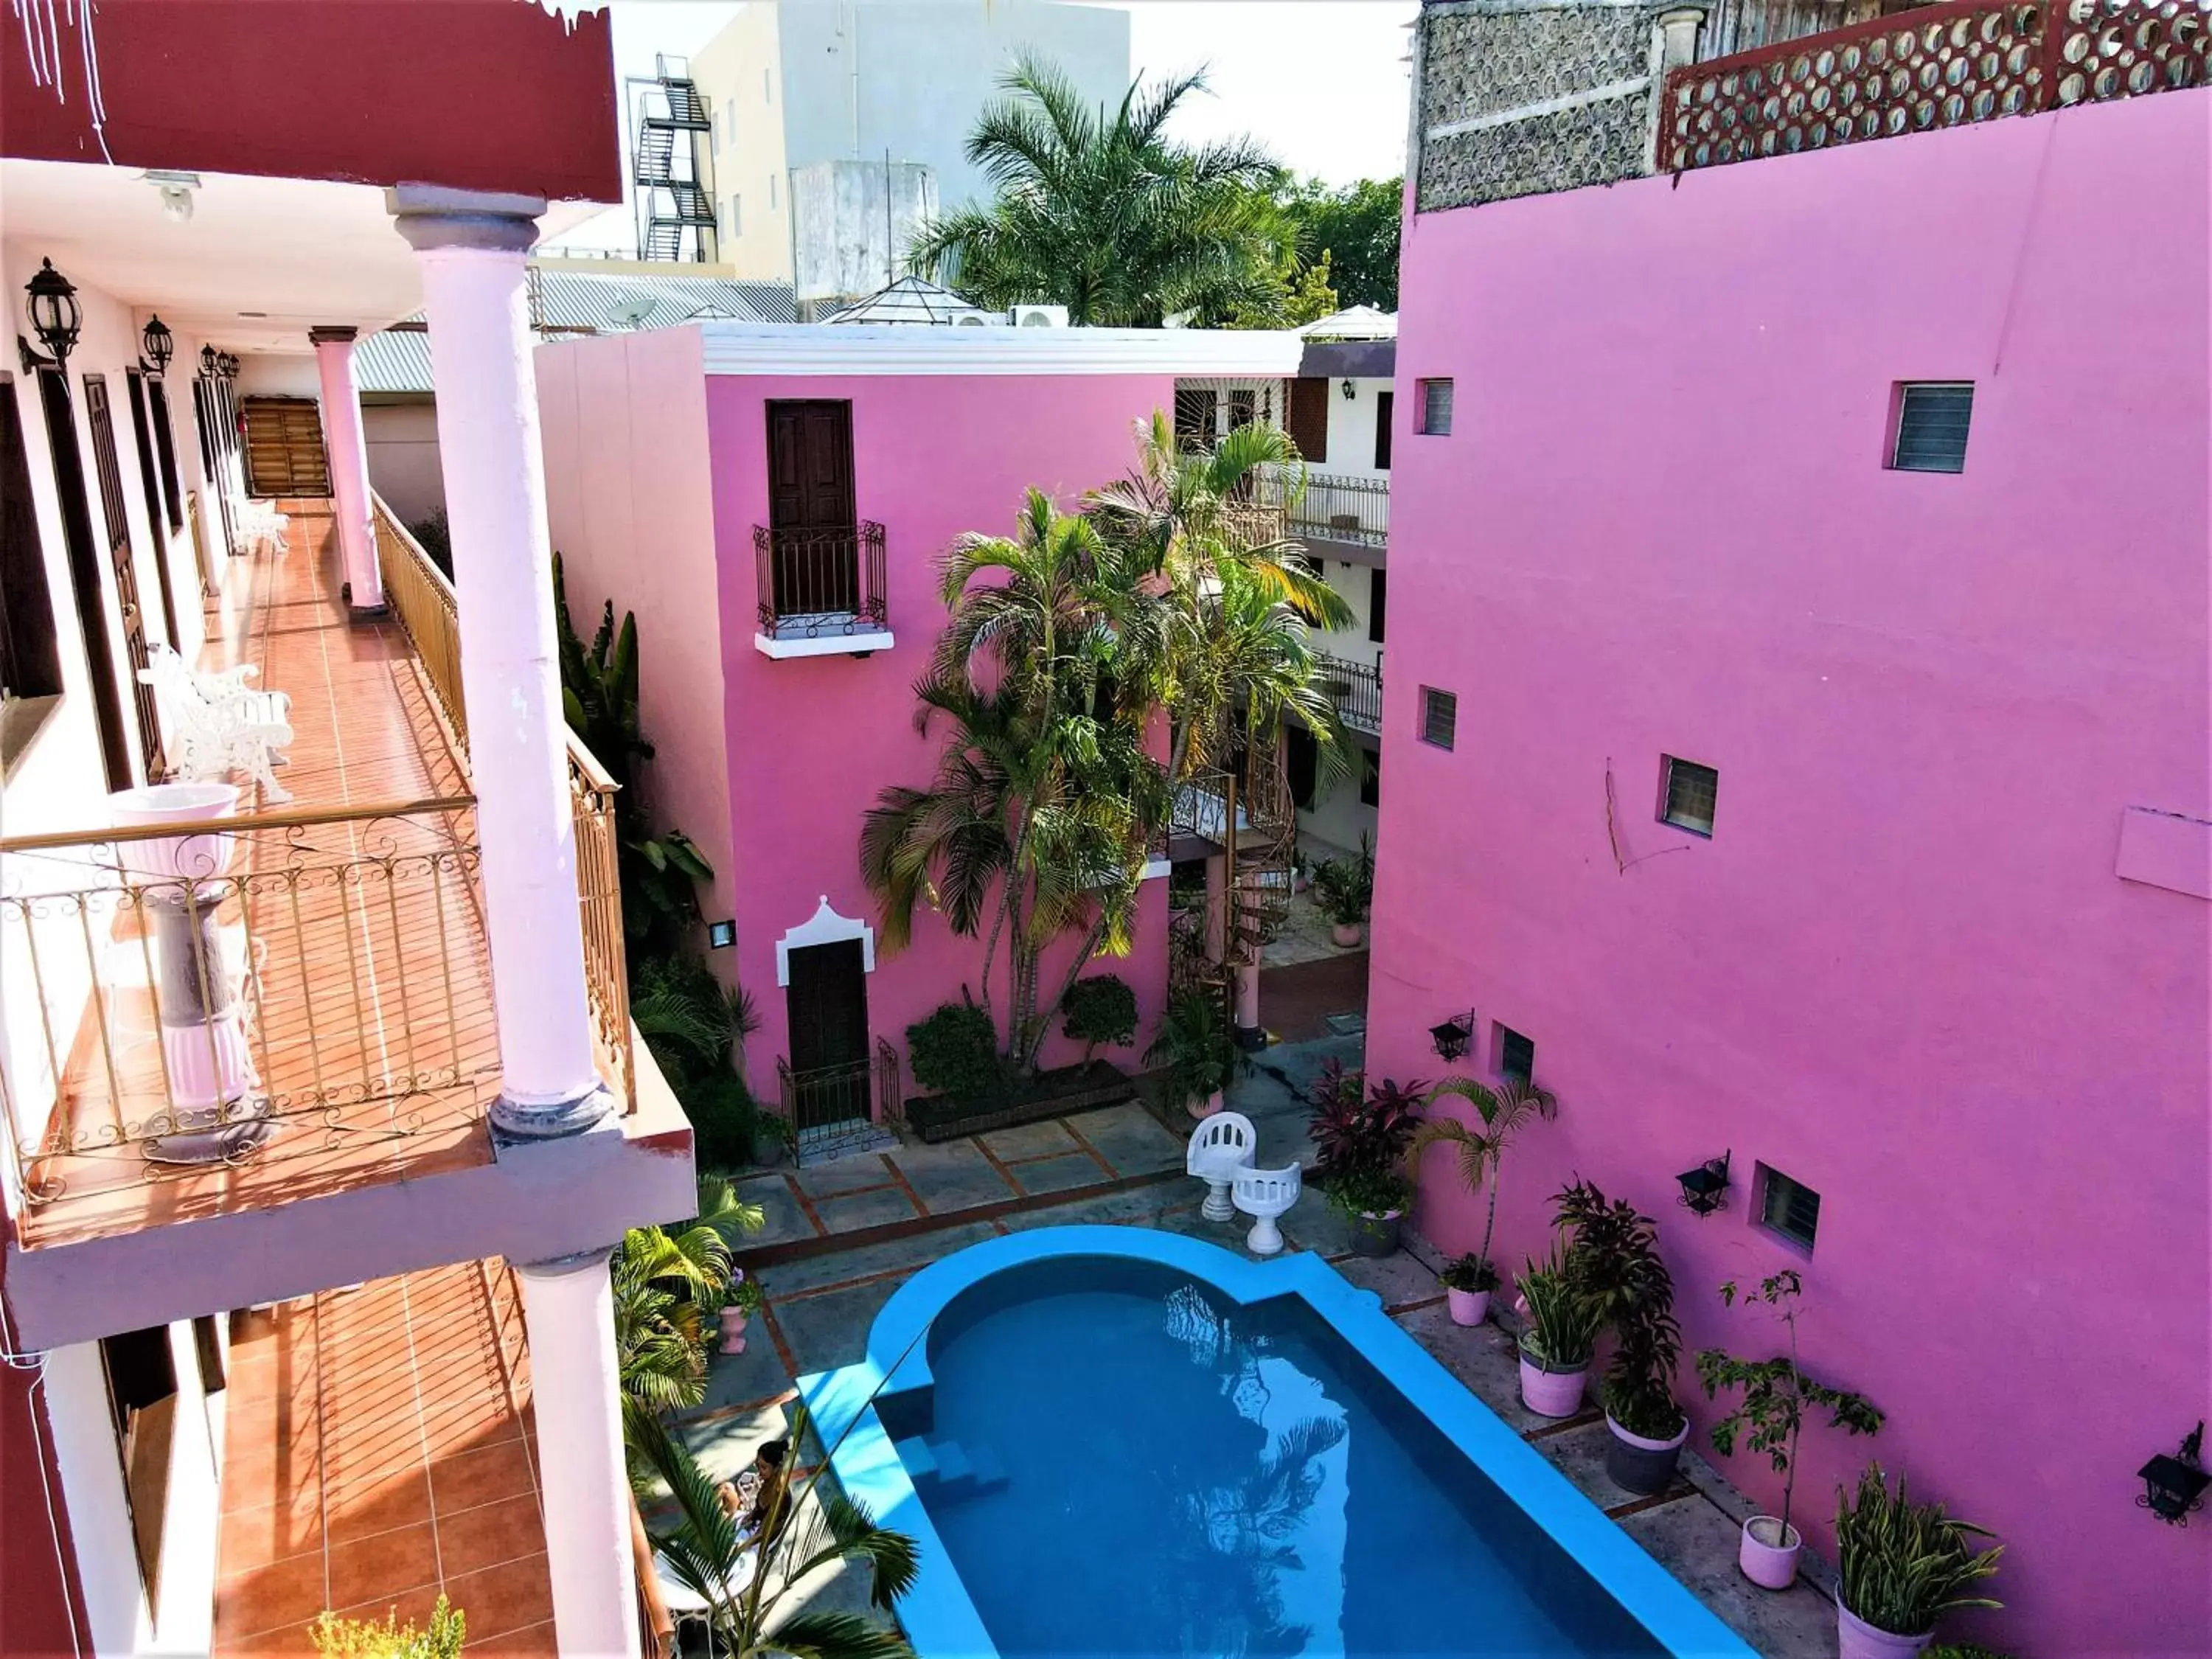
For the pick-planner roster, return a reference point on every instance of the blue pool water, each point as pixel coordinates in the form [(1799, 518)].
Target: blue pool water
[(1119, 1460)]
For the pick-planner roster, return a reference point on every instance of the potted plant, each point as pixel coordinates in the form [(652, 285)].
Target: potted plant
[(1900, 1567), (1468, 1280), (1561, 1336), (1363, 1135), (1503, 1110), (1336, 887), (1769, 1417), (1615, 1259), (1196, 1047), (745, 1301)]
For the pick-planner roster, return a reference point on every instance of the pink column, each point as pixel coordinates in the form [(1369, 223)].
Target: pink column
[(347, 449), (569, 1311), (471, 247)]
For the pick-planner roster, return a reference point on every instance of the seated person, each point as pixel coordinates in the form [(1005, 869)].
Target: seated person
[(746, 1499)]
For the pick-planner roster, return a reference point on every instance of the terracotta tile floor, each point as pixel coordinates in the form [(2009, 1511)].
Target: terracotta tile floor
[(379, 1450), (372, 1028)]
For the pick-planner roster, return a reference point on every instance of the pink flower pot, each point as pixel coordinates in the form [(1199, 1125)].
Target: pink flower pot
[(1768, 1554), (733, 1331), (1467, 1307), (1343, 934), (1857, 1639), (1551, 1393), (1206, 1108)]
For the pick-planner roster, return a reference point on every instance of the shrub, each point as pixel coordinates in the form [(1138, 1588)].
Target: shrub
[(1101, 1009), (1902, 1565), (1195, 1045), (1368, 1191), (1357, 1137), (725, 1121), (366, 1638), (1615, 1260), (955, 1053), (1563, 1321)]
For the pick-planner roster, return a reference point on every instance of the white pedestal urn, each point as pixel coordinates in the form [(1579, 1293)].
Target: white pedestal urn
[(1768, 1554), (1857, 1639)]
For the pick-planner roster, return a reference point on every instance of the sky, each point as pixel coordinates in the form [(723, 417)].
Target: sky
[(1322, 83)]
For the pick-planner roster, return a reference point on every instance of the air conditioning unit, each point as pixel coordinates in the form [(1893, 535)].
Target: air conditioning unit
[(1039, 316), (975, 319)]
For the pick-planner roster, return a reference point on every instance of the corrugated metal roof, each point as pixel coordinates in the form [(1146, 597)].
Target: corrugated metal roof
[(397, 359)]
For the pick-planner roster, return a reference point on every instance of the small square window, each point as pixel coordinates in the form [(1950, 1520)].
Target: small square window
[(1787, 1208), (1516, 1056), (1932, 417), (1692, 790), (1439, 717), (1436, 407)]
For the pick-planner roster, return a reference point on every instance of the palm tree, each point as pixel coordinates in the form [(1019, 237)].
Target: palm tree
[(746, 1598), (1504, 1110), (667, 1283), (1105, 215)]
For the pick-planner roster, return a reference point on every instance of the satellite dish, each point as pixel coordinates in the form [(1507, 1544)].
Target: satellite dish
[(632, 312)]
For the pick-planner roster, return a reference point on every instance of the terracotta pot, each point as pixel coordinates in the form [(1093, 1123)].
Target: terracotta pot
[(1344, 935), (1551, 1393), (1375, 1235), (1206, 1108), (1641, 1466), (1467, 1307), (1768, 1554), (1857, 1639)]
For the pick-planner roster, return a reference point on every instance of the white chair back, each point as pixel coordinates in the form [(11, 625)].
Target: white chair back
[(1225, 1140), (1268, 1191)]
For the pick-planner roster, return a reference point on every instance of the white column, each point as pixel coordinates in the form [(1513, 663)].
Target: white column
[(569, 1311), (347, 449), (471, 246)]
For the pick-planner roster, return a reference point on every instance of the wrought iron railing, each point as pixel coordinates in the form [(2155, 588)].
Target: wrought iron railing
[(1335, 508), (1356, 689), (1944, 66), (423, 599), (821, 584), (827, 1105), (891, 1084)]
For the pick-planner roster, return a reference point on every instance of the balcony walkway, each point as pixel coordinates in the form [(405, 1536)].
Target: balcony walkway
[(380, 1449), (370, 1020)]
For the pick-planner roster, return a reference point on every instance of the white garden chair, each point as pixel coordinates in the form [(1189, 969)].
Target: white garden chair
[(1265, 1195), (215, 723), (1220, 1146), (263, 526)]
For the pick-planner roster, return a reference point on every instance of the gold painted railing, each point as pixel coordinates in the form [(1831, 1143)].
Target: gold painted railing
[(423, 599)]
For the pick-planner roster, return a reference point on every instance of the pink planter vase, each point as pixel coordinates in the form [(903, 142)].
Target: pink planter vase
[(1768, 1557), (1551, 1393), (733, 1331), (1206, 1108), (1343, 934), (1467, 1307), (1857, 1639)]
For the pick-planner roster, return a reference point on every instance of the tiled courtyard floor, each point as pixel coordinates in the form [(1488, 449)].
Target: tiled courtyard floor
[(824, 1289)]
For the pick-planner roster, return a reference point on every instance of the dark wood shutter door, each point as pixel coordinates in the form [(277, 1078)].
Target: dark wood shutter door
[(813, 510), (284, 454), (143, 432), (30, 651), (83, 552), (100, 416), (1382, 410), (1309, 422), (1302, 754)]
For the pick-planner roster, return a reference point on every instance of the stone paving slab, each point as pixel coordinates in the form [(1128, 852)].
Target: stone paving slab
[(785, 1219), (843, 1175), (1028, 1140), (830, 1328), (757, 1374), (1312, 1225), (951, 1176), (1132, 1140), (896, 1255), (1579, 1453), (1697, 1544), (877, 1208), (1398, 1278), (1482, 1356), (1058, 1174)]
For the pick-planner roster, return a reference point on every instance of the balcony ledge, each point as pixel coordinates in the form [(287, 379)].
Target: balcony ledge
[(859, 643)]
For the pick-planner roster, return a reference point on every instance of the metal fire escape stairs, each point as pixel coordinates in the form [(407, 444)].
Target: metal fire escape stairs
[(672, 170)]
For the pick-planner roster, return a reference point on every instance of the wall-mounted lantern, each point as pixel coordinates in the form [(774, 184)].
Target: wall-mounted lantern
[(1705, 1188), (720, 935), (156, 346), (207, 362), (226, 365), (54, 312), (1350, 390), (2173, 1487), (1452, 1037)]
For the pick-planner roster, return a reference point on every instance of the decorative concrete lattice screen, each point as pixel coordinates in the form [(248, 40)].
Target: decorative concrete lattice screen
[(1520, 97)]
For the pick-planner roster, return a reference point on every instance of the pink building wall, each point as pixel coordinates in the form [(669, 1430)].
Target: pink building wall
[(812, 741), (1904, 970)]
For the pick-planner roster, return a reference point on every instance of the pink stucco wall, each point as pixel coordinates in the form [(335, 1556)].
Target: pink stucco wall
[(1903, 970), (811, 741)]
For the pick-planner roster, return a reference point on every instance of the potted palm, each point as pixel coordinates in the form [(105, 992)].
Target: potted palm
[(1769, 1417), (1503, 1110), (1615, 1258), (1900, 1567), (1560, 1337), (1198, 1049), (1336, 887), (1468, 1280)]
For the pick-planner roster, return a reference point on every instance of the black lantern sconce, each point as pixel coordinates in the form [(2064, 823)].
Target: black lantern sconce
[(156, 345), (207, 362), (1452, 1037), (55, 317), (226, 365), (1705, 1188), (1350, 390), (2173, 1487)]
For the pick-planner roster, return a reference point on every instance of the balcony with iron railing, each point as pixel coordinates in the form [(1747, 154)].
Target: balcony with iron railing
[(1349, 515), (1356, 689), (821, 592), (239, 1015)]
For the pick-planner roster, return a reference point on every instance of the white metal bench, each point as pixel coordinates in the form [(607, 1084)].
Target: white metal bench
[(263, 526), (215, 723)]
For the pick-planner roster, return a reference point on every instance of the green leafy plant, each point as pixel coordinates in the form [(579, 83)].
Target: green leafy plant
[(1196, 1047), (1776, 1392), (1563, 1321), (1613, 1256), (1367, 1190), (1471, 1272), (1902, 1565), (1100, 1009), (668, 1283), (435, 537), (368, 1638), (1961, 1651), (1336, 887), (1504, 1111), (955, 1053)]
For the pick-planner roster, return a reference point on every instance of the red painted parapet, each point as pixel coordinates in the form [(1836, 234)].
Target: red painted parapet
[(477, 94), (1944, 66)]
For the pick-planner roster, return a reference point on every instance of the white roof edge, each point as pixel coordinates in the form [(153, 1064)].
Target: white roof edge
[(736, 348)]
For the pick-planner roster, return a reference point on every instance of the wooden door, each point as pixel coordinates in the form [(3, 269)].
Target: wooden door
[(205, 414), (1309, 423), (827, 1004), (82, 550), (284, 454), (100, 416), (812, 515), (30, 653), (1383, 401), (143, 430)]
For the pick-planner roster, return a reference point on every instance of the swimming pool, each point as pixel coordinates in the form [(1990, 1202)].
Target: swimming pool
[(1114, 1441)]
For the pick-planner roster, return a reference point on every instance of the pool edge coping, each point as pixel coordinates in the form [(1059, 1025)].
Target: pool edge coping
[(941, 1618)]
